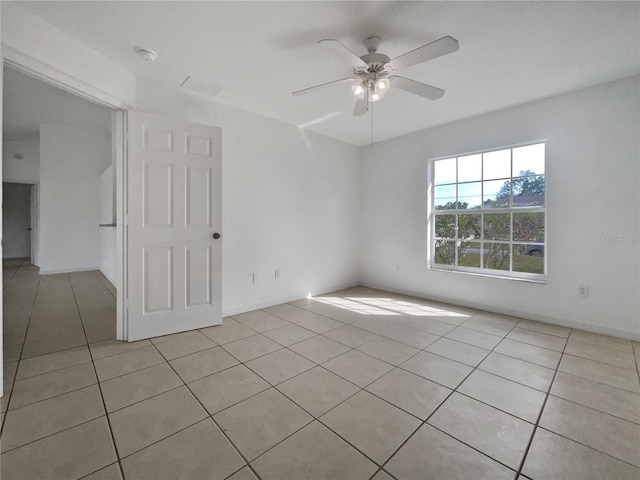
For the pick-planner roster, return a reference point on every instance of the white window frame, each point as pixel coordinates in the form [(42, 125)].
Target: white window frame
[(481, 271)]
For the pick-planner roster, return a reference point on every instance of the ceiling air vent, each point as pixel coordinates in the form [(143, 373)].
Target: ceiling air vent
[(200, 87)]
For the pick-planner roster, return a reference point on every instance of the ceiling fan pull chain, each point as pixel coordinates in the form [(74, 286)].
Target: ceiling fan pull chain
[(371, 123)]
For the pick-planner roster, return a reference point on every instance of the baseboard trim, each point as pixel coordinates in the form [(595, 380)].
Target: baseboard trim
[(72, 270), (603, 330), (108, 277), (285, 299)]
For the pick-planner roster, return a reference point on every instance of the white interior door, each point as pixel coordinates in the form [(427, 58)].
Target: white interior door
[(174, 220)]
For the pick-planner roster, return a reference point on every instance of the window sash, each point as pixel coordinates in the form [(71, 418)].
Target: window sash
[(481, 241)]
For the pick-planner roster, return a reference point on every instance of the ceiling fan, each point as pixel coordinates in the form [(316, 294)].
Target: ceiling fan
[(373, 71)]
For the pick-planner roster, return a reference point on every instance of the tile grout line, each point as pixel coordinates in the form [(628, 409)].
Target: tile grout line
[(536, 426), (15, 376), (636, 356), (454, 390), (591, 448), (95, 371), (544, 404), (591, 408), (248, 464), (360, 390), (314, 418), (56, 395), (49, 435)]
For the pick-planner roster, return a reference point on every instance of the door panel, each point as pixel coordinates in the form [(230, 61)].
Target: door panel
[(157, 279), (158, 194), (198, 187), (174, 208), (198, 274)]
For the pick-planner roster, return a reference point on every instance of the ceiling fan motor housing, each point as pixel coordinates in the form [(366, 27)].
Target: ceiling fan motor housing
[(376, 61)]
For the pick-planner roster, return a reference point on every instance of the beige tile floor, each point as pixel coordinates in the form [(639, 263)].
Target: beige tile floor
[(358, 384)]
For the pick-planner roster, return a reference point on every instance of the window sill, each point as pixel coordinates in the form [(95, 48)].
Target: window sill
[(541, 280)]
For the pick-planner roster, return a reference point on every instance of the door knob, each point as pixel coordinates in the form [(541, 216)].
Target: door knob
[(216, 236)]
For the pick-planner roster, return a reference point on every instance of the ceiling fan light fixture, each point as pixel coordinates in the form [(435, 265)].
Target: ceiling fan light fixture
[(378, 89), (358, 90), (382, 84)]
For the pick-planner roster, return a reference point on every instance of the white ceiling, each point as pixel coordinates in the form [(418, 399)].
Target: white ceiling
[(29, 103), (259, 52)]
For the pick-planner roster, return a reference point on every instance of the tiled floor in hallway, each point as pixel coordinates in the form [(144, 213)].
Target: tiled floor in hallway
[(358, 384)]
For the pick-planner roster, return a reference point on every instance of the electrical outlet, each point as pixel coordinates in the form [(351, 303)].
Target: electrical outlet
[(255, 278), (398, 267), (583, 291), (276, 274)]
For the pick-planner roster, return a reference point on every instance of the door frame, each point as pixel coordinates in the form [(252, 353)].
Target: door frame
[(34, 68), (35, 221)]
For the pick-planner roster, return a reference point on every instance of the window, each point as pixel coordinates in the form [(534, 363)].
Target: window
[(488, 213)]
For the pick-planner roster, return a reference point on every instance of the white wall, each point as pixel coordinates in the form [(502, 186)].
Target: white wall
[(108, 254), (289, 201), (39, 45), (71, 162), (593, 196), (26, 170), (108, 244), (16, 220)]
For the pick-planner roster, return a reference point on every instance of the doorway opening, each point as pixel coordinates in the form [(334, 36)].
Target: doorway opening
[(19, 201), (60, 243)]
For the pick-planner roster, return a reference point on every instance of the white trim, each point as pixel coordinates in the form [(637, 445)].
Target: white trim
[(286, 299), (119, 136), (487, 272), (511, 313), (37, 69), (20, 181), (1, 247), (432, 213), (69, 270), (112, 281)]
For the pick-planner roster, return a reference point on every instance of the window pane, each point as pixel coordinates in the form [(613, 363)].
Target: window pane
[(469, 254), (470, 195), (470, 168), (497, 226), (528, 227), (489, 211), (445, 252), (445, 226), (496, 164), (469, 227), (496, 256), (496, 193), (528, 191), (445, 197), (529, 158), (528, 258), (444, 171)]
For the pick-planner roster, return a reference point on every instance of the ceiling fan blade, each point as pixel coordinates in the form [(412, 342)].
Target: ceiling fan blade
[(341, 50), (304, 91), (362, 106), (432, 50), (417, 88)]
